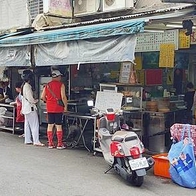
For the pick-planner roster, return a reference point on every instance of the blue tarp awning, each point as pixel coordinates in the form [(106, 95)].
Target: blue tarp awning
[(109, 29)]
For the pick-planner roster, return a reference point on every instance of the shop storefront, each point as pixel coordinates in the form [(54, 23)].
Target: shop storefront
[(93, 53), (72, 48)]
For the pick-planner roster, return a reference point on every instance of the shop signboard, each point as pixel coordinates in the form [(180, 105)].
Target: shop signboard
[(149, 42), (13, 14), (61, 8)]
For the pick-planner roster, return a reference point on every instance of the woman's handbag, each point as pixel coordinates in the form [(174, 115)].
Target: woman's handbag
[(182, 161), (26, 106), (59, 101)]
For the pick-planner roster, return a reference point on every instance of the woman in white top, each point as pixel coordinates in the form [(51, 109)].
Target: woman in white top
[(29, 109)]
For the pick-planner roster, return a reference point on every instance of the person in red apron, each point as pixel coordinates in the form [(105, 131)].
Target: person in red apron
[(18, 104), (19, 116)]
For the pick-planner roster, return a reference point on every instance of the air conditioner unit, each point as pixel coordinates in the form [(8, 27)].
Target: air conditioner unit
[(84, 7), (35, 7), (112, 5)]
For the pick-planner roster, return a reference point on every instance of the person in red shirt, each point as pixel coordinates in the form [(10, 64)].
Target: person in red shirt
[(52, 92)]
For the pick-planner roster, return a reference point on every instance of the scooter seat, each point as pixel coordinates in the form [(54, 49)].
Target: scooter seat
[(119, 136), (118, 139), (131, 138)]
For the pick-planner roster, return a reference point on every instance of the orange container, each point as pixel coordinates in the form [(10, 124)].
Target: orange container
[(161, 166)]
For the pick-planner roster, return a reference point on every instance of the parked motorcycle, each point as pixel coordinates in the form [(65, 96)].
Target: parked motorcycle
[(122, 149)]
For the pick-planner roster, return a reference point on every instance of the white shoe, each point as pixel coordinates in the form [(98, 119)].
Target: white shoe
[(61, 147)]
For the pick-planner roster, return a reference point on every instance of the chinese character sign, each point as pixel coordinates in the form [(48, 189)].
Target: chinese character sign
[(166, 58), (184, 41)]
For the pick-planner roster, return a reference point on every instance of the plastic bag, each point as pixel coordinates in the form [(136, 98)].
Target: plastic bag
[(182, 161), (3, 110)]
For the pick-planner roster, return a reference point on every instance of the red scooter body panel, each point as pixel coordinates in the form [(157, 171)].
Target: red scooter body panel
[(116, 149)]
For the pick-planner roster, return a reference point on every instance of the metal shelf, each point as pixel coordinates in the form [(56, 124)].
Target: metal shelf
[(6, 128), (11, 109)]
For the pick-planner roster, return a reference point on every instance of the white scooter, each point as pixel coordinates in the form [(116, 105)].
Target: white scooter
[(122, 149)]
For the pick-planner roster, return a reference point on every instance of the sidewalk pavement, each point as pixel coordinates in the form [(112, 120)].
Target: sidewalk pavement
[(27, 170)]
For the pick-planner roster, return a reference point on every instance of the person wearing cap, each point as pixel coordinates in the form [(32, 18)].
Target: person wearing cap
[(52, 92)]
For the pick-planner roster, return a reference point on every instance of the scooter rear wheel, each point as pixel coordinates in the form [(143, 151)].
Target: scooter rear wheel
[(137, 180)]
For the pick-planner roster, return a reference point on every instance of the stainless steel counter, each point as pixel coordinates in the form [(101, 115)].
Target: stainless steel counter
[(157, 129)]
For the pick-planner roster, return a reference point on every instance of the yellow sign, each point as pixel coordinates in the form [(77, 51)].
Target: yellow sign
[(184, 41), (140, 76), (166, 58), (138, 62)]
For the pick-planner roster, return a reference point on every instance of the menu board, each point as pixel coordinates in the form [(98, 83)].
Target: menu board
[(166, 57), (151, 41), (105, 100)]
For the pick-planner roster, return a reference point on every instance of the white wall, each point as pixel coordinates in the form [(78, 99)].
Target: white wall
[(13, 14)]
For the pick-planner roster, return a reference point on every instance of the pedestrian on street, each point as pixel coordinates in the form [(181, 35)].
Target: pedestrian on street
[(29, 109), (52, 92)]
